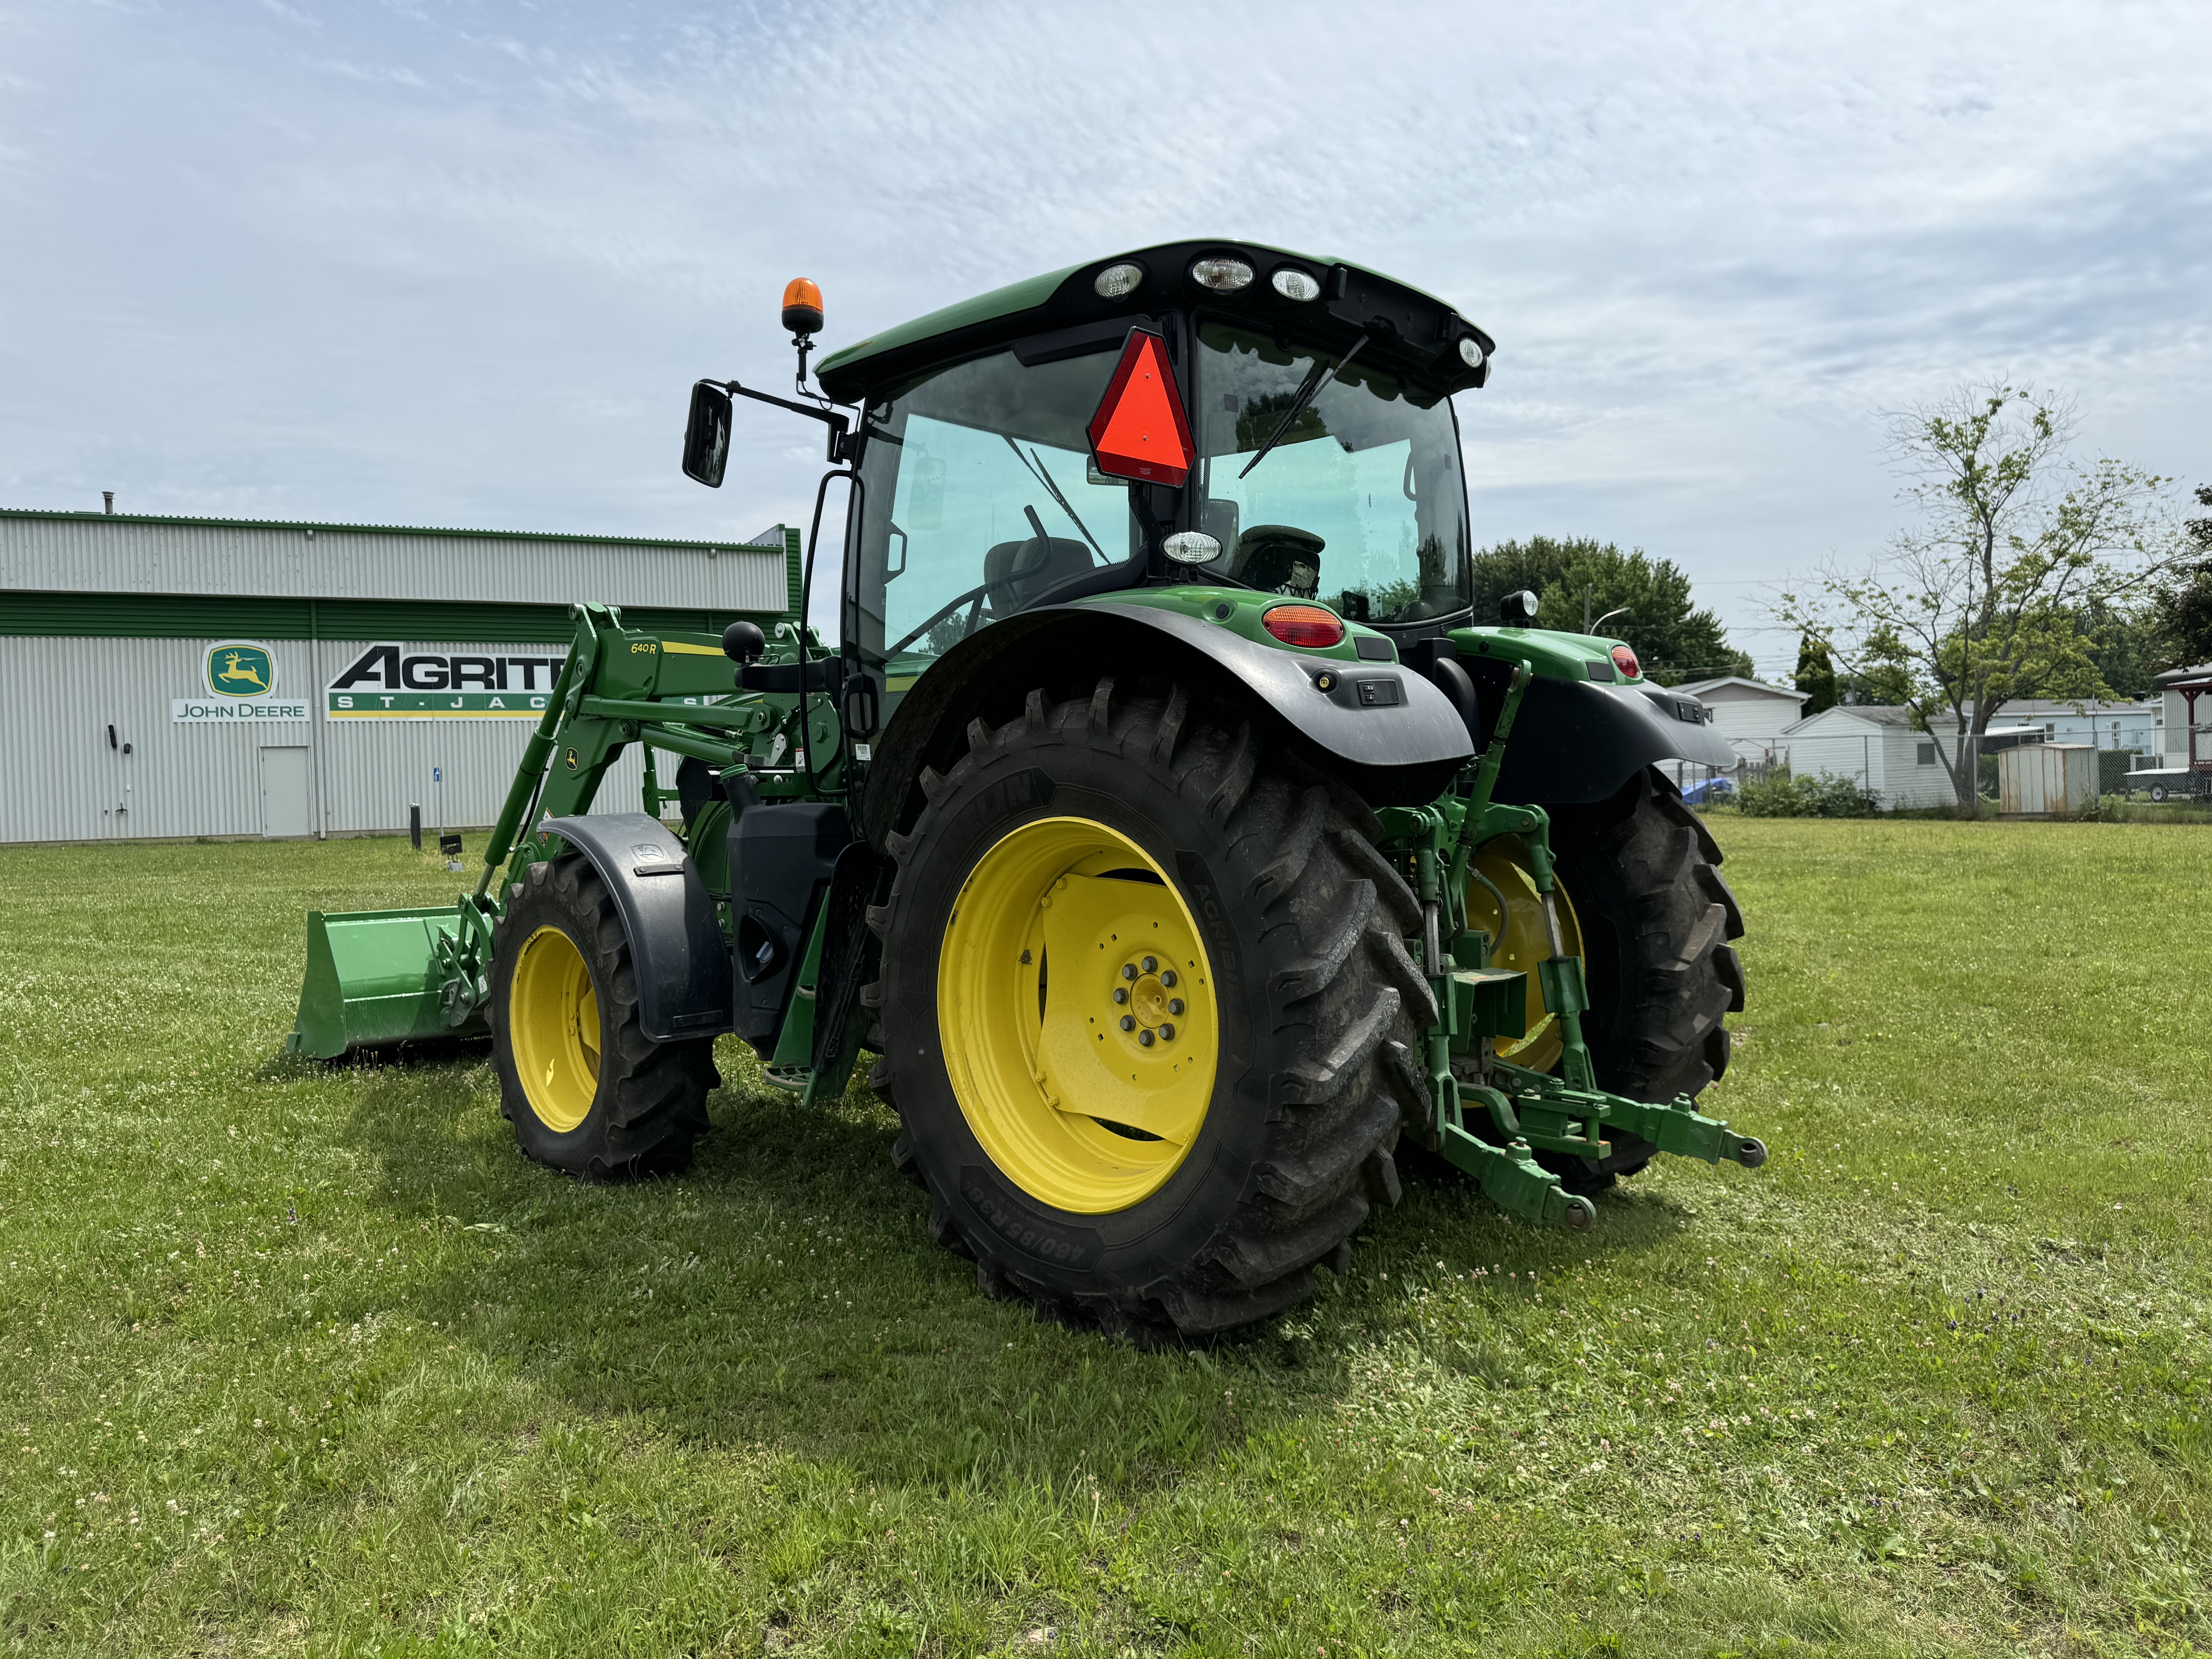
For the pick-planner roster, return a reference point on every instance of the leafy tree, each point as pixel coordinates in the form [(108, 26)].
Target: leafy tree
[(2181, 608), (2123, 642), (1816, 674), (1675, 640), (1982, 601)]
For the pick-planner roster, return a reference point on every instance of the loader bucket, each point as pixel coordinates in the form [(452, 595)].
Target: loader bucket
[(373, 977)]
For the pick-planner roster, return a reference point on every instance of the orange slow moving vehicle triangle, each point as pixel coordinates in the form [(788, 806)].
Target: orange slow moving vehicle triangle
[(1140, 430)]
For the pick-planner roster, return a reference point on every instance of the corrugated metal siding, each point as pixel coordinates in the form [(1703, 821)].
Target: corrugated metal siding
[(188, 615), (58, 696), (118, 554)]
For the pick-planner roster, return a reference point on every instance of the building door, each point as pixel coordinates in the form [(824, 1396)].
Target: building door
[(284, 791)]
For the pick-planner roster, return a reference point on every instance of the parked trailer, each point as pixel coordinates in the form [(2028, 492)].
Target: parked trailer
[(2165, 783)]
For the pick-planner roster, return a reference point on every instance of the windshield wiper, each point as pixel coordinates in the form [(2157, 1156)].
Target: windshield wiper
[(1045, 478), (1316, 383)]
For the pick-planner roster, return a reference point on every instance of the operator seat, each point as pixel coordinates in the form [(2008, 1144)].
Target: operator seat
[(1269, 556), (1016, 573)]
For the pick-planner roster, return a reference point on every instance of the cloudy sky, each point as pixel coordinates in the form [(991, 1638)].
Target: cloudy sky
[(457, 264)]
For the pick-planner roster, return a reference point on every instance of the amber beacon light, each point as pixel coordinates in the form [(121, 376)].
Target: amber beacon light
[(802, 306)]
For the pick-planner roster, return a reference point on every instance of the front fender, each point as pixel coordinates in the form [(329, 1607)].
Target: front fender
[(1575, 742), (676, 945), (1397, 744)]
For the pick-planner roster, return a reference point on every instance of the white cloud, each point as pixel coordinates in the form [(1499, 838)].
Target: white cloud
[(460, 264)]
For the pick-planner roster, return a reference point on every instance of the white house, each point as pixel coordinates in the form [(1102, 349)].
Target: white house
[(1877, 746), (2117, 725), (1750, 714)]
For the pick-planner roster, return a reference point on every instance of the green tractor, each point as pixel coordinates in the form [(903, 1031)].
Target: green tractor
[(1162, 819)]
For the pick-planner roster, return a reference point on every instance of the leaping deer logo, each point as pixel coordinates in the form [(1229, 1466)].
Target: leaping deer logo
[(240, 670)]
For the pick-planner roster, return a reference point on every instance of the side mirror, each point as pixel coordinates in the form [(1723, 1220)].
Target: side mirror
[(707, 435), (1517, 610)]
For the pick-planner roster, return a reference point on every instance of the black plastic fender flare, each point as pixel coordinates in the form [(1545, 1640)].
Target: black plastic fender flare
[(1393, 753), (1574, 744), (676, 945)]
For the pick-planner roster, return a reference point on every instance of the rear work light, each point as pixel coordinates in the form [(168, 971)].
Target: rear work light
[(1295, 284), (1222, 273), (1116, 281), (1304, 624), (1624, 660)]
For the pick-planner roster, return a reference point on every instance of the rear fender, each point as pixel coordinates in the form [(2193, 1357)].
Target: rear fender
[(1400, 752), (675, 943)]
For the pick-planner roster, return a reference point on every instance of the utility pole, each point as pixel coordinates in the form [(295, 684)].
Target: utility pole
[(1589, 588)]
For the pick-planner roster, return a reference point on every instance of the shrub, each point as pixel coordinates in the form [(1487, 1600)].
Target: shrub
[(1783, 796)]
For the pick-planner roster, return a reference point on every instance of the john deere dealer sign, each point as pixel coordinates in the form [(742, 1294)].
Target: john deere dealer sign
[(391, 683), (238, 686)]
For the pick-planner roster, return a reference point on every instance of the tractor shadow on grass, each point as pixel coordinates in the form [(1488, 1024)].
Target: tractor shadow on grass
[(784, 1292)]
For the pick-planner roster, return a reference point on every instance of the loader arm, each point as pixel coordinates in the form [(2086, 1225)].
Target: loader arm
[(384, 977)]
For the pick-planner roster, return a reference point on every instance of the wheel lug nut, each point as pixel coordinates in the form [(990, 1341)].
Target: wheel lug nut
[(1128, 970), (1145, 1039), (1128, 1022), (1168, 979), (1120, 994), (1175, 1005), (1167, 1034), (1150, 963)]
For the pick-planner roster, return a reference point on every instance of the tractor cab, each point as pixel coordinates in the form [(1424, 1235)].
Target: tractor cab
[(1200, 415)]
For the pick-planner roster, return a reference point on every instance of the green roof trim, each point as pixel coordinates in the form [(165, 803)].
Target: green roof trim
[(379, 529), (204, 616)]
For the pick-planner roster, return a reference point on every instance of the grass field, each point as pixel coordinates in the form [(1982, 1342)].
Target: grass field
[(298, 1359)]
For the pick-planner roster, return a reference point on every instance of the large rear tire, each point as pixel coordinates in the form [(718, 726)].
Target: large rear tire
[(587, 1091), (1159, 1104), (1655, 918)]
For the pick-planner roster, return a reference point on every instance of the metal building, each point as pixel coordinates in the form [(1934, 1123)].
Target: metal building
[(203, 676)]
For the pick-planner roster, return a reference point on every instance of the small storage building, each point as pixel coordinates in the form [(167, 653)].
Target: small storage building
[(1877, 745), (223, 678), (2046, 780)]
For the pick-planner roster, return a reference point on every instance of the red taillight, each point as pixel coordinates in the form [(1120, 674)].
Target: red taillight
[(1304, 624), (1624, 660)]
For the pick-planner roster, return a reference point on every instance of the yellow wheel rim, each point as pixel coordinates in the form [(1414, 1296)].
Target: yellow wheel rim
[(553, 1023), (1075, 1004), (1504, 864)]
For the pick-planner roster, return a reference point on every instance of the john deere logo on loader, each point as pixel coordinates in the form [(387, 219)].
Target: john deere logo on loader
[(240, 670)]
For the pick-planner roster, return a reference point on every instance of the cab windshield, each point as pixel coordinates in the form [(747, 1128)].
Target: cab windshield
[(979, 502), (980, 499), (1360, 503)]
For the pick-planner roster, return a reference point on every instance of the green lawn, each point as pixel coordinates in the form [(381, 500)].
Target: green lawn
[(307, 1360)]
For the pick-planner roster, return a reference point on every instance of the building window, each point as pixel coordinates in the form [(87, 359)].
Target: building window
[(1927, 754)]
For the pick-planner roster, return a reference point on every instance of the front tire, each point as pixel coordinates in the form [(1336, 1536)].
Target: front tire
[(1656, 919), (1188, 1185), (587, 1091)]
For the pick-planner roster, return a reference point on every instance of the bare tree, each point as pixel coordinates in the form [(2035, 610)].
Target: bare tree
[(1979, 602)]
